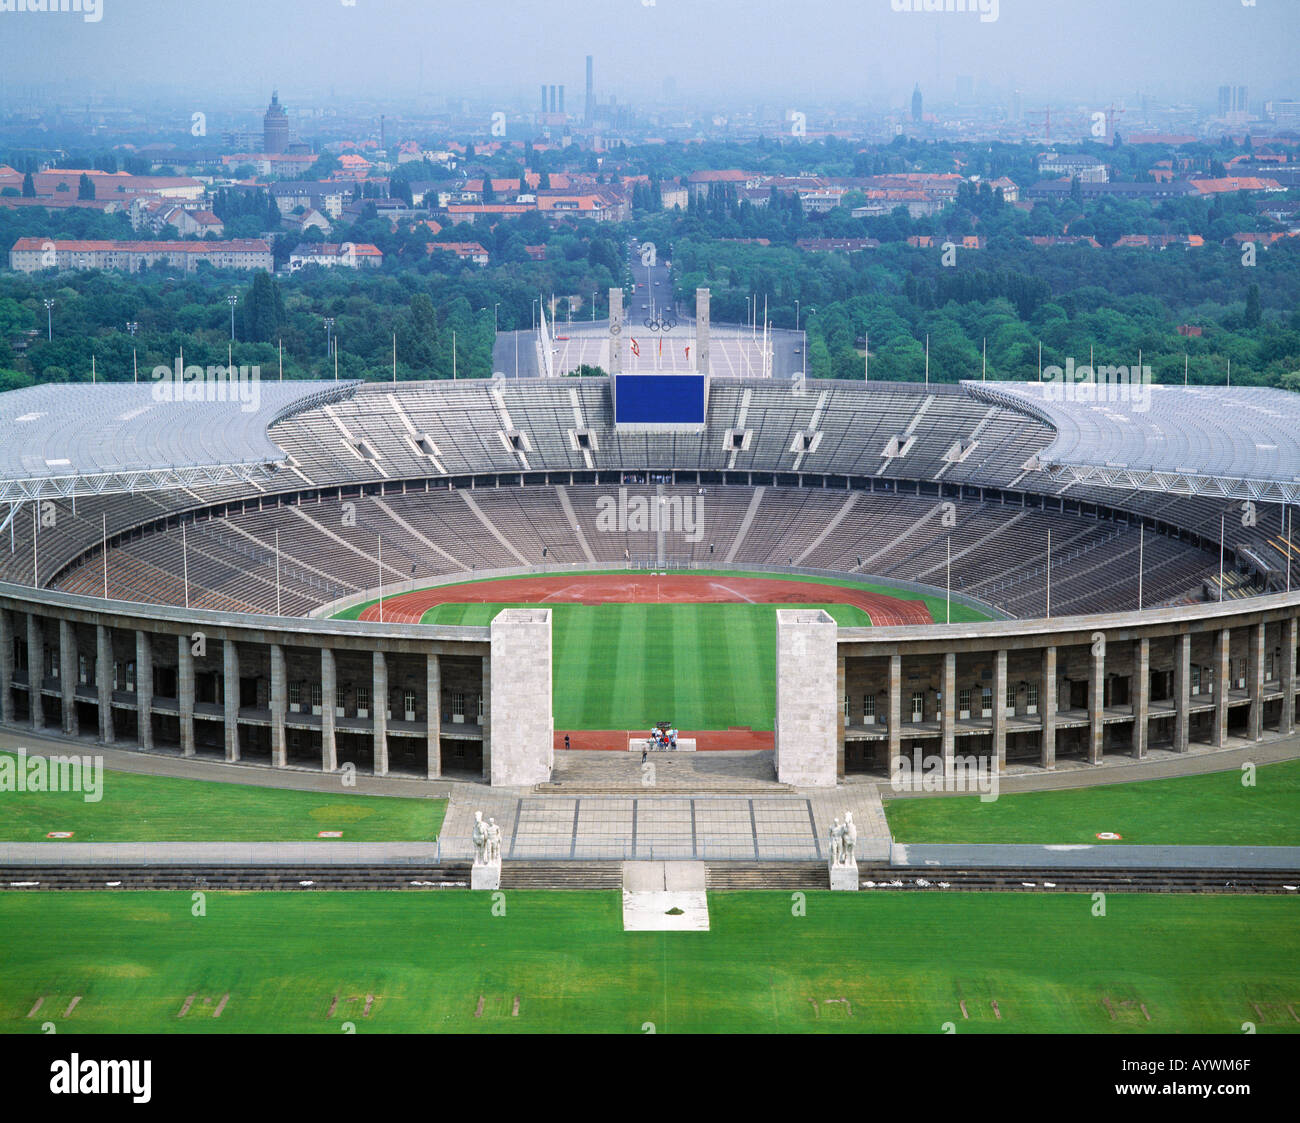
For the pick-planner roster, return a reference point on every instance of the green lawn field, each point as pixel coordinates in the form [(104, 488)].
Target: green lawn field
[(1216, 808), (139, 808), (704, 666), (442, 961)]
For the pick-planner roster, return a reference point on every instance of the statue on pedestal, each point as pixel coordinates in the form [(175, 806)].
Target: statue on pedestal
[(493, 843), (480, 838), (848, 839), (837, 843)]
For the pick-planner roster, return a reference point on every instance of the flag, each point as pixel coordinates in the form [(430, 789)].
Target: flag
[(688, 353), (636, 350), (661, 347)]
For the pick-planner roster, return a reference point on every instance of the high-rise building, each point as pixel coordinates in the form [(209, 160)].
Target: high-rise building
[(589, 107), (275, 126), (916, 104)]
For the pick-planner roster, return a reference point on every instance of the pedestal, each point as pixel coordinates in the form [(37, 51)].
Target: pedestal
[(844, 876), (485, 875)]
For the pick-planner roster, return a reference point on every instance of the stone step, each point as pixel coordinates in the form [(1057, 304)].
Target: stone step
[(643, 791)]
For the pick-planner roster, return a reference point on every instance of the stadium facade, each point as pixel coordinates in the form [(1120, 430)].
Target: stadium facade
[(172, 566)]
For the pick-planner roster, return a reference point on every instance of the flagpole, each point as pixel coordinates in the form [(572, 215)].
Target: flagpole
[(1221, 518), (1049, 572), (948, 593), (927, 360), (1142, 530)]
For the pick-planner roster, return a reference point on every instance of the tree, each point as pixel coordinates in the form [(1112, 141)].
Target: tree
[(85, 189), (489, 196), (29, 186), (263, 309), (1252, 317)]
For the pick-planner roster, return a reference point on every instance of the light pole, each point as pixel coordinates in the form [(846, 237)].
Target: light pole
[(49, 320), (329, 327), (594, 297), (494, 316), (132, 326), (232, 300), (533, 311), (796, 315)]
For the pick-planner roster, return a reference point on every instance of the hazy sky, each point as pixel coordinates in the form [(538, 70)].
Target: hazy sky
[(233, 51)]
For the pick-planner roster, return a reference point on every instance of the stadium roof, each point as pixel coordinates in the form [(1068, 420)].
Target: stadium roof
[(64, 440), (1226, 442)]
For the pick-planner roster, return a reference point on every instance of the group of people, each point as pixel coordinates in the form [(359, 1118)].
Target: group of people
[(662, 737)]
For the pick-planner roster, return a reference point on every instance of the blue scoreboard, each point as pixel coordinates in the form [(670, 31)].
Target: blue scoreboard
[(660, 402)]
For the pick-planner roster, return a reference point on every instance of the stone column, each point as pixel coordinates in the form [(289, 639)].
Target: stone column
[(895, 715), (1222, 683), (35, 670), (279, 707), (1047, 708), (329, 757), (104, 682), (1097, 700), (1182, 692), (806, 698), (485, 722), (433, 720), (6, 667), (185, 693), (519, 698), (68, 676), (1286, 723), (379, 712), (1255, 682), (144, 690), (840, 688), (230, 686), (999, 711), (948, 713), (1141, 687)]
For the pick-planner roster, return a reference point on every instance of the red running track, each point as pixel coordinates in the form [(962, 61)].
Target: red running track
[(615, 588)]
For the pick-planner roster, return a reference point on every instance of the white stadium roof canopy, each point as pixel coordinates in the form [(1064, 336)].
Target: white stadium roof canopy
[(1240, 442), (58, 441)]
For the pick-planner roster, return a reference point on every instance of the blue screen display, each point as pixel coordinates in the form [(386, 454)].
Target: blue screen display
[(659, 399)]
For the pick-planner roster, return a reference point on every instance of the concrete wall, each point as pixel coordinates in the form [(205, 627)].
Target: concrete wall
[(520, 716), (807, 725)]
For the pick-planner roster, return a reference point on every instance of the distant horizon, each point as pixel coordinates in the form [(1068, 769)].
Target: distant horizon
[(852, 53)]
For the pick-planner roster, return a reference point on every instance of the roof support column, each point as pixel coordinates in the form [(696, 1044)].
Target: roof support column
[(104, 682), (185, 693), (1182, 692), (1141, 686), (379, 711), (35, 670), (279, 706), (144, 690), (1255, 681), (1222, 684), (68, 676), (1000, 711), (329, 757), (1286, 723), (1047, 709), (1097, 699), (230, 692)]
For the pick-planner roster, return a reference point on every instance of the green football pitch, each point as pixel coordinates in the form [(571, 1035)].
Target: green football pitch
[(141, 808), (560, 962), (710, 666), (1214, 809)]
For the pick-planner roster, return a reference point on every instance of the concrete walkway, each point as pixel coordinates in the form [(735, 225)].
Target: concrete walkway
[(325, 853), (1106, 856)]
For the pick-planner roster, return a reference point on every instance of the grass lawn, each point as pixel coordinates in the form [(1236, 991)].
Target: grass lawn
[(1190, 810), (903, 963), (704, 666), (139, 808)]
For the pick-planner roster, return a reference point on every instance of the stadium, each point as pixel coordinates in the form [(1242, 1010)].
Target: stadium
[(983, 568), (668, 631)]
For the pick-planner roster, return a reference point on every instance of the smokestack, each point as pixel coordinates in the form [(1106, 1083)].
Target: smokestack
[(615, 331), (561, 99), (702, 330), (552, 99), (543, 98)]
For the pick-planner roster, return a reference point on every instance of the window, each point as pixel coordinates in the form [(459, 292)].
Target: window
[(130, 678), (986, 701), (1011, 697), (340, 698), (315, 696), (963, 702), (83, 670), (295, 695), (363, 701), (458, 706), (869, 709), (1196, 678), (480, 708), (918, 706), (1031, 699), (408, 704)]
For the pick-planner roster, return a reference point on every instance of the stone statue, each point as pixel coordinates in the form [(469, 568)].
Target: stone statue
[(479, 837), (848, 839), (493, 843), (837, 843)]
